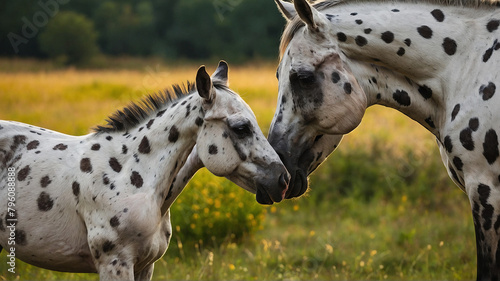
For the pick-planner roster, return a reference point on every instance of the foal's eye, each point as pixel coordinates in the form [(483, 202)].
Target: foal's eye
[(242, 130)]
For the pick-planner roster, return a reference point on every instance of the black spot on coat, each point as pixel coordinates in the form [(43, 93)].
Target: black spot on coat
[(115, 165), (487, 91), (448, 144), (45, 181), (20, 237), (490, 146), (341, 37), (438, 15), (492, 25), (425, 91), (407, 41), (114, 221), (449, 46), (458, 163), (455, 111), (466, 139), (173, 135), (96, 147), (335, 77), (60, 146), (474, 124), (76, 188), (85, 165), (199, 121), (108, 246), (23, 173), (401, 52), (136, 179), (402, 98), (212, 149), (33, 145), (150, 123), (425, 31), (347, 88), (388, 37), (361, 41), (144, 146), (45, 203)]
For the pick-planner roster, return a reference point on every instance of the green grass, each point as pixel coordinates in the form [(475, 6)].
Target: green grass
[(381, 207)]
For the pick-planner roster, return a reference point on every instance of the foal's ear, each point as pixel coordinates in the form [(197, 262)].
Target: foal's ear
[(305, 12), (204, 84), (220, 73), (287, 9)]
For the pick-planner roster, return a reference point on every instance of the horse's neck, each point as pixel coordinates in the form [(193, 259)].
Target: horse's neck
[(389, 88), (421, 41), (421, 51), (159, 147)]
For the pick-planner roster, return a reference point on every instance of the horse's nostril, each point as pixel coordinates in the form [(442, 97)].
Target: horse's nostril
[(284, 180)]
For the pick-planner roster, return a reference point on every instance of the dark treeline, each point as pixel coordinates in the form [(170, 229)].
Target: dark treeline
[(192, 29)]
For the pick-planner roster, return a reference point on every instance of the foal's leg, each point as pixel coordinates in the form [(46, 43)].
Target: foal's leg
[(485, 202), (113, 268), (146, 274)]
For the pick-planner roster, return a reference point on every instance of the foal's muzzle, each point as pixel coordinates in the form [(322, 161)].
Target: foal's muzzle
[(272, 188)]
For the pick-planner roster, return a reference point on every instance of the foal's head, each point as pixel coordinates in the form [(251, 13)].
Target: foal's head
[(231, 144), (319, 98)]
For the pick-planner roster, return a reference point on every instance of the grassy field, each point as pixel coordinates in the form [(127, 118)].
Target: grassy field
[(382, 207)]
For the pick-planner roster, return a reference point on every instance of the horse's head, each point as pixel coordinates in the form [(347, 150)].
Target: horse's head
[(319, 98), (231, 144)]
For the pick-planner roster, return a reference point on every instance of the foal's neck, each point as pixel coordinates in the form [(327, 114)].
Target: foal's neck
[(158, 147)]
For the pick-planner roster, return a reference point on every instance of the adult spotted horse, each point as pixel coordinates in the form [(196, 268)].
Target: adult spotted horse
[(437, 62), (100, 202)]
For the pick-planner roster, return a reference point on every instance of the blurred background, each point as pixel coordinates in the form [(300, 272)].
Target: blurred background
[(382, 207)]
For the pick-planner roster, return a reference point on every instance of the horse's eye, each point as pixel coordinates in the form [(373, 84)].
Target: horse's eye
[(305, 79), (242, 130)]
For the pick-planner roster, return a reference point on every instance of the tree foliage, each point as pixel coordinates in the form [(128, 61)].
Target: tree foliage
[(69, 36), (192, 29)]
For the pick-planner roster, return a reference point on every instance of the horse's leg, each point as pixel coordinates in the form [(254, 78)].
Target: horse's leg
[(145, 274), (485, 202), (1, 249)]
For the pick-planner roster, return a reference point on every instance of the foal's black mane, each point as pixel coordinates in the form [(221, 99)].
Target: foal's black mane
[(137, 112)]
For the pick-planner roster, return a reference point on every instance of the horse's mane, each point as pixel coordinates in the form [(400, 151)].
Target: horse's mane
[(295, 24), (137, 112)]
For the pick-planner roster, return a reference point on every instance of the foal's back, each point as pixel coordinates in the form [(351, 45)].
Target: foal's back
[(43, 164)]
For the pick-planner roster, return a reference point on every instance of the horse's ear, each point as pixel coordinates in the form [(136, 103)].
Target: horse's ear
[(204, 84), (305, 12), (287, 9), (220, 73)]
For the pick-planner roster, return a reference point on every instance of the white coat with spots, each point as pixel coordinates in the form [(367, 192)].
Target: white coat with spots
[(100, 202), (438, 62)]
